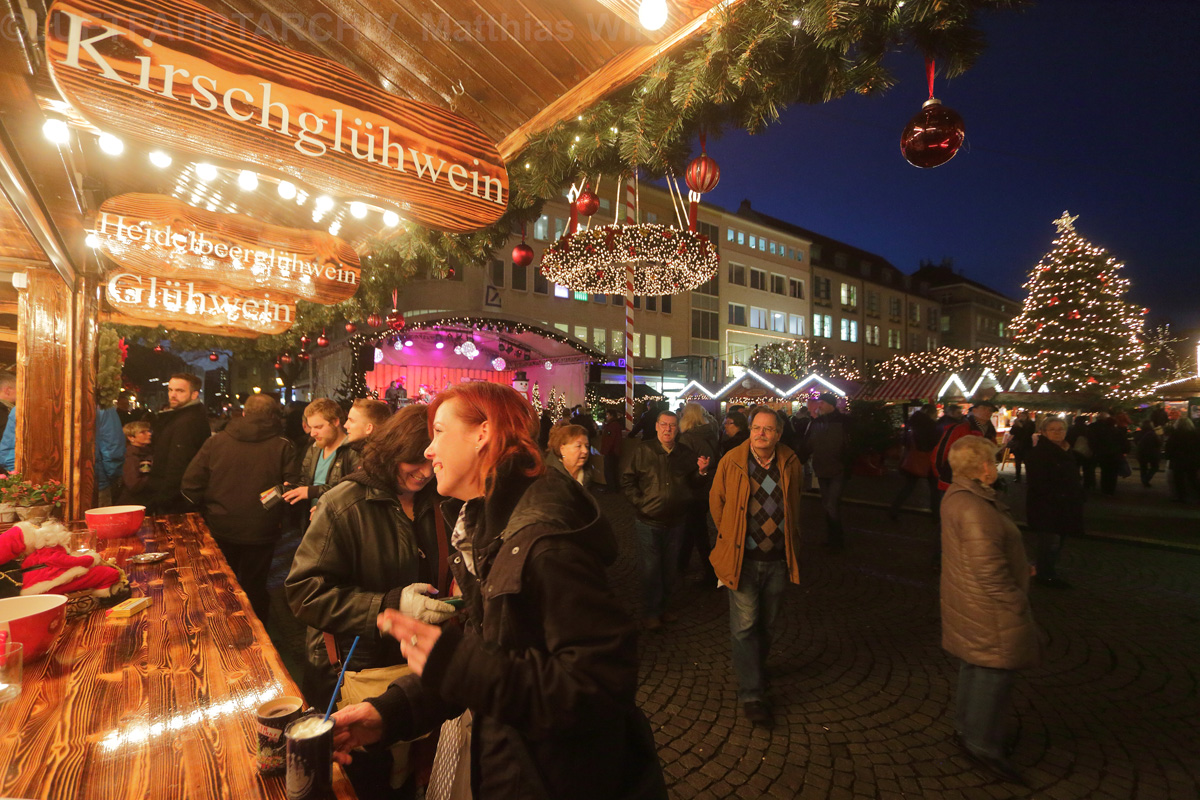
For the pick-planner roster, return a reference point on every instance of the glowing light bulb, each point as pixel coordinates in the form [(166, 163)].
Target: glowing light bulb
[(652, 14), (286, 189), (111, 144), (391, 219), (56, 131), (160, 159), (247, 180), (323, 203), (206, 172), (92, 240), (358, 210)]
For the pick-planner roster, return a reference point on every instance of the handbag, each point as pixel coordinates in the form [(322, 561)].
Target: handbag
[(1123, 468)]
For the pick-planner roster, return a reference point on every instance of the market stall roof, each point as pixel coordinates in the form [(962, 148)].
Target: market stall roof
[(1179, 390), (926, 387), (1051, 401), (752, 384)]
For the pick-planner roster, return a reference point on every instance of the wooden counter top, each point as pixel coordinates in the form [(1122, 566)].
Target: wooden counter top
[(159, 705)]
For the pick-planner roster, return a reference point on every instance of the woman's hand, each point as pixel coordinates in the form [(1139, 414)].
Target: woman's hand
[(355, 726), (416, 638)]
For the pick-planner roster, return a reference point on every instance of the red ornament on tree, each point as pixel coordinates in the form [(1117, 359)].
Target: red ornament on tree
[(278, 365), (158, 348), (351, 327), (302, 356), (304, 340), (285, 358), (522, 255), (213, 357), (702, 176), (321, 340), (395, 319), (587, 203), (933, 136), (374, 320)]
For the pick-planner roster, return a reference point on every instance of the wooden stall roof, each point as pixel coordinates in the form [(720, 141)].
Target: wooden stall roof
[(513, 67)]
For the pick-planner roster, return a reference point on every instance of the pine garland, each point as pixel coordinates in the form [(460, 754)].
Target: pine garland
[(755, 60)]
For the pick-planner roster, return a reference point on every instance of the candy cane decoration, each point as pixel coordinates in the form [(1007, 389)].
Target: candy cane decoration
[(630, 219)]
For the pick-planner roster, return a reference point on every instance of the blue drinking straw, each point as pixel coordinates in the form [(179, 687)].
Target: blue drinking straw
[(338, 686)]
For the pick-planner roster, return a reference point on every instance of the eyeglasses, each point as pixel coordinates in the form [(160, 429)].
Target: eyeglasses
[(762, 429)]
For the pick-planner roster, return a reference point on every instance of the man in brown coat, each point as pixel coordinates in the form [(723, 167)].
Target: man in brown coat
[(755, 503), (986, 619)]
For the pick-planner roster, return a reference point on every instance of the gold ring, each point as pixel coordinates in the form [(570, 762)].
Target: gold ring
[(413, 640)]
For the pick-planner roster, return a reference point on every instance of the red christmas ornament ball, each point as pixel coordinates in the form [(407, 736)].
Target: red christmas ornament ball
[(351, 327), (285, 358), (303, 356), (587, 203), (213, 357), (522, 255), (395, 320), (374, 321), (322, 341), (304, 340), (703, 174), (933, 136), (278, 365)]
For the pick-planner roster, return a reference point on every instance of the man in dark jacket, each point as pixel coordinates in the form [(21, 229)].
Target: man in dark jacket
[(1109, 443), (178, 436), (660, 480), (329, 459), (828, 446), (227, 478)]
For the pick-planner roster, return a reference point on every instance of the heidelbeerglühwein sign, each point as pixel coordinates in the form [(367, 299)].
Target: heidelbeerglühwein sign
[(171, 73), (163, 237)]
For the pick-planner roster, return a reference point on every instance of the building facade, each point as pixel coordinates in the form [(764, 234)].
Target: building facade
[(776, 282), (973, 315)]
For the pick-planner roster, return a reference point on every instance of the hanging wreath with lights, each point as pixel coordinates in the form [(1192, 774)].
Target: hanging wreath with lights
[(666, 260)]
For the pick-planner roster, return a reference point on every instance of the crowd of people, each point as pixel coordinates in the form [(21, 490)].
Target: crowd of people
[(463, 546)]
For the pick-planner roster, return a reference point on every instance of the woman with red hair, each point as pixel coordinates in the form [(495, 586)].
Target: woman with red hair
[(543, 662)]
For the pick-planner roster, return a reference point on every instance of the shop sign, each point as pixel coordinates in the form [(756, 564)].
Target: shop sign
[(161, 236), (210, 305), (173, 74)]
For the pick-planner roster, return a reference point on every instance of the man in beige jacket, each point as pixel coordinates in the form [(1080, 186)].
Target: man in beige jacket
[(755, 503)]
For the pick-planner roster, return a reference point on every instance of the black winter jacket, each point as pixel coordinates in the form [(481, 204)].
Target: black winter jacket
[(1054, 497), (353, 562), (547, 659), (346, 460), (661, 485), (232, 468), (178, 436)]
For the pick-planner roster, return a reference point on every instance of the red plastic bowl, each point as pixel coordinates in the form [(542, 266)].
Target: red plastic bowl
[(113, 522), (33, 620)]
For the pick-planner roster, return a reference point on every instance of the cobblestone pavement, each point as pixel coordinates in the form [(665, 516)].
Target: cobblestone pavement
[(864, 695)]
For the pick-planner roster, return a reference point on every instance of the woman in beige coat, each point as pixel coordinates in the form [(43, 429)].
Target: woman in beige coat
[(986, 620)]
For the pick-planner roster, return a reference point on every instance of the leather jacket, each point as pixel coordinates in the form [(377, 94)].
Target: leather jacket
[(346, 460), (661, 485), (354, 560)]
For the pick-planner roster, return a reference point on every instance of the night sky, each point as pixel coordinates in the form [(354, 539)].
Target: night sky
[(1086, 105)]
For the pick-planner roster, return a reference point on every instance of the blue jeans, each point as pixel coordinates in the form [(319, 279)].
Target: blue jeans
[(659, 549), (982, 705), (753, 607)]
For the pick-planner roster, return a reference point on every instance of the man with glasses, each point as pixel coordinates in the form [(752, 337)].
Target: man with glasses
[(659, 480), (755, 502)]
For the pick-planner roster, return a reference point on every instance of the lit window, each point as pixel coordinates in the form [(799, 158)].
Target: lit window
[(541, 228), (729, 234), (651, 350), (758, 318), (664, 349), (849, 295), (561, 291), (741, 237), (581, 296), (795, 324), (753, 241), (779, 322)]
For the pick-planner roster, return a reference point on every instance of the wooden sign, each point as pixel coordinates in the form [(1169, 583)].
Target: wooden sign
[(198, 305), (158, 235), (171, 73)]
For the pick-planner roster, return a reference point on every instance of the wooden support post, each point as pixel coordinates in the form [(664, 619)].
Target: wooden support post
[(44, 400), (81, 489), (56, 385)]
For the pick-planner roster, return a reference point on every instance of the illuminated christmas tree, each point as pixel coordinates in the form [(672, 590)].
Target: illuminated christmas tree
[(536, 398), (1076, 330)]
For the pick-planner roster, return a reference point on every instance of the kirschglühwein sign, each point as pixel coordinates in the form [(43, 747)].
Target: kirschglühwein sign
[(171, 73), (160, 236)]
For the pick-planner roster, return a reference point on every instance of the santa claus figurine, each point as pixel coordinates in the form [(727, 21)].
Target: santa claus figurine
[(48, 568)]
